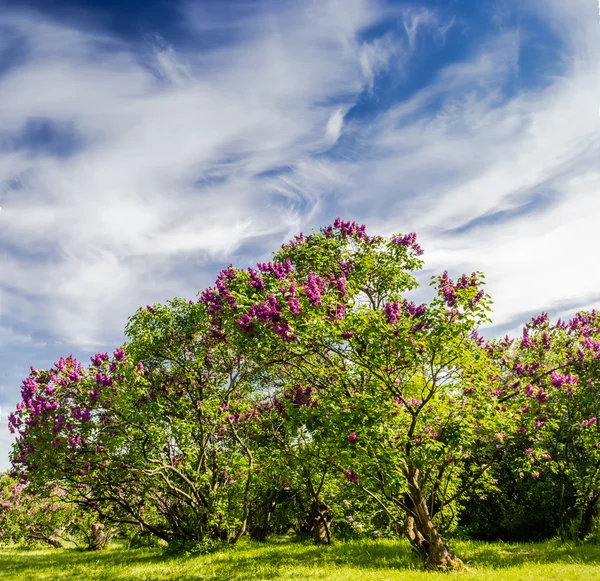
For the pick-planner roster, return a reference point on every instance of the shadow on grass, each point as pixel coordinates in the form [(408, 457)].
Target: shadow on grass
[(397, 555), (364, 555)]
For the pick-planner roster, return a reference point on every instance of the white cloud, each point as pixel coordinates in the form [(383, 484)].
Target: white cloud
[(413, 19), (173, 146), (483, 152), (180, 148), (334, 127)]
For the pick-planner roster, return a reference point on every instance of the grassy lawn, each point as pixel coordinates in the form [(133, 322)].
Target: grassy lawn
[(279, 560)]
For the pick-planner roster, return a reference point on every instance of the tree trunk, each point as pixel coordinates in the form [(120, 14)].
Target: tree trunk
[(52, 540), (260, 530), (321, 519), (424, 536), (589, 516), (97, 538)]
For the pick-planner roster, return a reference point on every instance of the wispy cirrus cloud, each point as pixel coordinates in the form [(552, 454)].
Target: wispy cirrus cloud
[(116, 153)]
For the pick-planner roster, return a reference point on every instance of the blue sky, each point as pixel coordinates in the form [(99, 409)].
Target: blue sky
[(144, 145)]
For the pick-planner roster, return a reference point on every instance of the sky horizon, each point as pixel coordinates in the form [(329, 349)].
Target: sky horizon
[(146, 145)]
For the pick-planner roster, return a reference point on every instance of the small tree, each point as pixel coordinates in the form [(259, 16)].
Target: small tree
[(27, 517), (399, 383), (550, 379)]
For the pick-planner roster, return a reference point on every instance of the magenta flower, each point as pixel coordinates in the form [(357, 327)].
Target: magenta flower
[(409, 241), (294, 305), (351, 476), (391, 311), (352, 437), (119, 354)]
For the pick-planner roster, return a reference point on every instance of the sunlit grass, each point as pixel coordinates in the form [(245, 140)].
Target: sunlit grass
[(284, 560)]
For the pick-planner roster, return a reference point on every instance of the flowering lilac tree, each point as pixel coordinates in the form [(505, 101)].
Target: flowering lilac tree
[(550, 380), (398, 385), (307, 375), (154, 435)]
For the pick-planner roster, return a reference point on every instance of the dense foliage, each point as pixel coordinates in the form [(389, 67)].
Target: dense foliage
[(310, 394)]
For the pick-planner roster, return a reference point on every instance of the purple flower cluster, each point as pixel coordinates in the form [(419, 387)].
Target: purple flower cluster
[(268, 312), (477, 338), (409, 241), (119, 354), (391, 311), (314, 288), (539, 321), (215, 299), (103, 380), (337, 312), (210, 297), (525, 341), (85, 415), (351, 476), (280, 271), (223, 277), (414, 310), (280, 408), (465, 282), (557, 380), (348, 230), (591, 345), (237, 417), (256, 281), (294, 306), (303, 397), (297, 241), (339, 284), (99, 359), (447, 289), (246, 323), (289, 294)]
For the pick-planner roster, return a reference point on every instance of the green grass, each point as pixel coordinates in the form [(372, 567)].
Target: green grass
[(282, 560)]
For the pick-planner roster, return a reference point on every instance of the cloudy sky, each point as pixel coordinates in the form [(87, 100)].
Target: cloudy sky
[(144, 145)]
